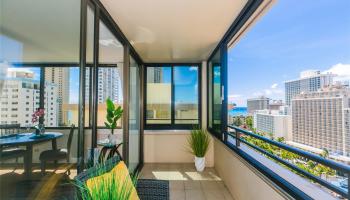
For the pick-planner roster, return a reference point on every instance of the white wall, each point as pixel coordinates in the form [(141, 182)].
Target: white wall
[(170, 146), (239, 178)]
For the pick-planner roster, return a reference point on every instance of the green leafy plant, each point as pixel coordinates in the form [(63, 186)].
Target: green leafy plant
[(198, 142), (113, 115), (108, 188)]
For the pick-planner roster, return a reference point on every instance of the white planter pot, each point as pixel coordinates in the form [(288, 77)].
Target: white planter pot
[(199, 163), (112, 139)]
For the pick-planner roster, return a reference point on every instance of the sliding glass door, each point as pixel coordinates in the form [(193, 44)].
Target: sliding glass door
[(217, 114), (134, 115)]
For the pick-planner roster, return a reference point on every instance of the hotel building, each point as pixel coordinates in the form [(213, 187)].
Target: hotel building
[(309, 81), (260, 103), (321, 119), (273, 122), (20, 98)]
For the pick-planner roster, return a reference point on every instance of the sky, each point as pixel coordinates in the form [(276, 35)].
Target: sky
[(185, 83), (290, 38)]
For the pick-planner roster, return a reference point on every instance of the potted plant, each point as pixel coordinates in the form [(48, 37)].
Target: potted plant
[(110, 185), (112, 117), (39, 128), (198, 142)]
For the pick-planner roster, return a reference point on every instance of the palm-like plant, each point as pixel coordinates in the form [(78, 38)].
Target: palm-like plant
[(113, 115), (198, 142), (112, 187)]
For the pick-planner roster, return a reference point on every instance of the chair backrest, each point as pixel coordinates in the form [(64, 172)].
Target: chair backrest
[(9, 129), (70, 138)]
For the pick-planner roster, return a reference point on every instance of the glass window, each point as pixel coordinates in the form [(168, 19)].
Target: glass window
[(291, 86), (111, 51), (109, 86), (134, 115), (26, 82), (186, 94), (62, 96), (158, 95), (172, 96), (214, 94), (90, 35)]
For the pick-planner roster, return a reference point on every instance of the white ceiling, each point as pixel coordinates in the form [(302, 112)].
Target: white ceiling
[(39, 30), (48, 31), (174, 30), (159, 30)]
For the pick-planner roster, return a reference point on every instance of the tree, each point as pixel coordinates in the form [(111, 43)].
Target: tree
[(249, 122), (280, 139), (325, 153), (237, 121)]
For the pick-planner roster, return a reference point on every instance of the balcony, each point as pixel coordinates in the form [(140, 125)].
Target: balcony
[(165, 64)]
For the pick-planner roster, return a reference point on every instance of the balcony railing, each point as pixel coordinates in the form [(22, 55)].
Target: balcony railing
[(339, 167)]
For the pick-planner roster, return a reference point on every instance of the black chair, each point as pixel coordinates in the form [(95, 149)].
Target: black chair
[(7, 153), (57, 154)]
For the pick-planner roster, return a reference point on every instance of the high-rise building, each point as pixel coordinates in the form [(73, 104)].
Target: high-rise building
[(21, 98), (273, 122), (154, 75), (275, 104), (347, 130), (109, 85), (260, 103), (60, 77), (321, 119), (309, 81)]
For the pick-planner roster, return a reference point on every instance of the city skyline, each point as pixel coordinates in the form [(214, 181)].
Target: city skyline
[(277, 49)]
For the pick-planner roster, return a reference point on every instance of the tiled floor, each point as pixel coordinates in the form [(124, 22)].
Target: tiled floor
[(187, 183)]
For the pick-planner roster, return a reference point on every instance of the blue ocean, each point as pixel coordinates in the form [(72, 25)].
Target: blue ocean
[(238, 111)]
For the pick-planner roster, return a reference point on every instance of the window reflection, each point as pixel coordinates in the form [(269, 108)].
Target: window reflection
[(158, 95)]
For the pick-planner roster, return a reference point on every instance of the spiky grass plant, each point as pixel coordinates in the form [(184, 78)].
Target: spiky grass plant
[(108, 188), (198, 142)]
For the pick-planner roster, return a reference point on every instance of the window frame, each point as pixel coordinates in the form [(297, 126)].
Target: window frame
[(42, 67), (172, 125)]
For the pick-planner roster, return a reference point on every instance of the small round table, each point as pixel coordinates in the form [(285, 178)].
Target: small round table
[(28, 140)]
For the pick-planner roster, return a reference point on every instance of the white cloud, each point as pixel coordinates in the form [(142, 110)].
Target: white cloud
[(193, 69), (256, 94), (341, 70), (274, 86), (109, 43), (233, 96), (237, 99), (273, 92)]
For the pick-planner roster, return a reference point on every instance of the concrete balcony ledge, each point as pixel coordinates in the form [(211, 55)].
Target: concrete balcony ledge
[(240, 177), (167, 132), (170, 146)]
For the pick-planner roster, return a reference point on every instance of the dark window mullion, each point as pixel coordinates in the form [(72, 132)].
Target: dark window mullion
[(42, 92), (172, 97), (199, 91)]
